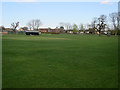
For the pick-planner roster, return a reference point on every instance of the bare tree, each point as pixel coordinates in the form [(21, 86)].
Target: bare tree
[(118, 24), (37, 23), (101, 23), (114, 18), (94, 23), (29, 25), (108, 27), (66, 25), (34, 24), (14, 25)]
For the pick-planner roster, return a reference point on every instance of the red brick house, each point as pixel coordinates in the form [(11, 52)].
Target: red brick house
[(47, 30)]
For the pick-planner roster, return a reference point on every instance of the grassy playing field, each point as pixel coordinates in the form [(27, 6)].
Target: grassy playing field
[(59, 61)]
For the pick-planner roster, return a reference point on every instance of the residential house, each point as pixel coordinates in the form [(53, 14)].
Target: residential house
[(48, 30)]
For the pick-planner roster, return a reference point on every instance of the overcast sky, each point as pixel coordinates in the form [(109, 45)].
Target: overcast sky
[(52, 13)]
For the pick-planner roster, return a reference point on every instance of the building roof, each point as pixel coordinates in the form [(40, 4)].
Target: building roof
[(32, 31), (47, 29)]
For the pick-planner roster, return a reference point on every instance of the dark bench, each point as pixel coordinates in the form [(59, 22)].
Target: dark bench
[(32, 33)]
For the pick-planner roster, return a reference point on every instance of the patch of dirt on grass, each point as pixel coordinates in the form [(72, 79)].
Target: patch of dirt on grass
[(58, 38), (36, 38)]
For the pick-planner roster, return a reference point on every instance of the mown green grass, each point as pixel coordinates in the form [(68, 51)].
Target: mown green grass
[(59, 61)]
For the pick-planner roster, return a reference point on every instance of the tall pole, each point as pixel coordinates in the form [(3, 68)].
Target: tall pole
[(119, 45), (119, 15)]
